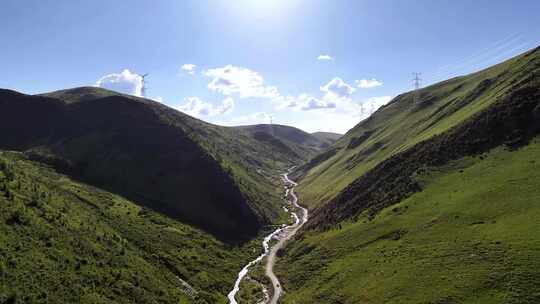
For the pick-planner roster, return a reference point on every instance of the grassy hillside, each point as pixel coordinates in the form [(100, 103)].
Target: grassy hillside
[(202, 174), (403, 123), (328, 137), (62, 241), (472, 235), (287, 140), (429, 202)]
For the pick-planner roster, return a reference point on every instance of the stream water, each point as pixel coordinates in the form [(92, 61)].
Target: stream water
[(288, 232)]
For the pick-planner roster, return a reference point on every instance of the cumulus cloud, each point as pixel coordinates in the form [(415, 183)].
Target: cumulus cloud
[(303, 102), (253, 118), (313, 103), (325, 57), (337, 93), (125, 82), (227, 106), (339, 117), (230, 80), (368, 83), (372, 104), (195, 106), (346, 115), (337, 89), (189, 68)]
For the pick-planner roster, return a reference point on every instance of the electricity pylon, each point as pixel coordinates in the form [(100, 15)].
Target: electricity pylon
[(416, 81), (143, 89)]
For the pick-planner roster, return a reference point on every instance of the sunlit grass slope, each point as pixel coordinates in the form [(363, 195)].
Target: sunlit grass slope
[(403, 123), (472, 235)]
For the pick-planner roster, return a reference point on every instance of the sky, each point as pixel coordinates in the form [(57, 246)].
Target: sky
[(319, 65)]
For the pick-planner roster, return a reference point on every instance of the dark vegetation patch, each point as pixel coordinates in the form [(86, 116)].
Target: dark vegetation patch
[(392, 235), (357, 141), (512, 120), (364, 155)]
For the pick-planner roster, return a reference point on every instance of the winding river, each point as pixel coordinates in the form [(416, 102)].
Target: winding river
[(282, 234)]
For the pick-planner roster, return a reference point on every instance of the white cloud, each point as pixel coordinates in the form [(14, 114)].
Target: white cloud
[(124, 82), (313, 103), (372, 104), (325, 57), (254, 118), (303, 102), (337, 93), (158, 99), (343, 117), (227, 106), (368, 83), (189, 68), (337, 89), (230, 80), (338, 118), (195, 106), (258, 117)]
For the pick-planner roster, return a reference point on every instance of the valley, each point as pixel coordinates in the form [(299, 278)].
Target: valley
[(282, 235)]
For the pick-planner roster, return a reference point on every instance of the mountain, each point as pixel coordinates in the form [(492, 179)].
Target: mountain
[(433, 199), (215, 178), (287, 140), (63, 241), (328, 137)]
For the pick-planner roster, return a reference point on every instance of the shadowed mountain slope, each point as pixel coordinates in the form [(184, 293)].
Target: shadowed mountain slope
[(328, 137), (288, 140), (188, 169), (59, 236)]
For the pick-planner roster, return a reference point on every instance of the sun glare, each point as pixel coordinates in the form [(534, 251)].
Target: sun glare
[(262, 8)]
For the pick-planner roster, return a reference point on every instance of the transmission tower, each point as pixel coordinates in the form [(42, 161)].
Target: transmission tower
[(143, 89), (416, 81)]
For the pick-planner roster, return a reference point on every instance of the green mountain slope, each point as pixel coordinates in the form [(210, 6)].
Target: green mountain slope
[(328, 137), (403, 123), (287, 140), (63, 241), (175, 164), (434, 201), (470, 236)]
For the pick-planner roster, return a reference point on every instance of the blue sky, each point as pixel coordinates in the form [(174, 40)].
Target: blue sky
[(316, 65)]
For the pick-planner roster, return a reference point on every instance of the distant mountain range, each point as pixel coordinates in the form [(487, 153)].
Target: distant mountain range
[(290, 140)]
